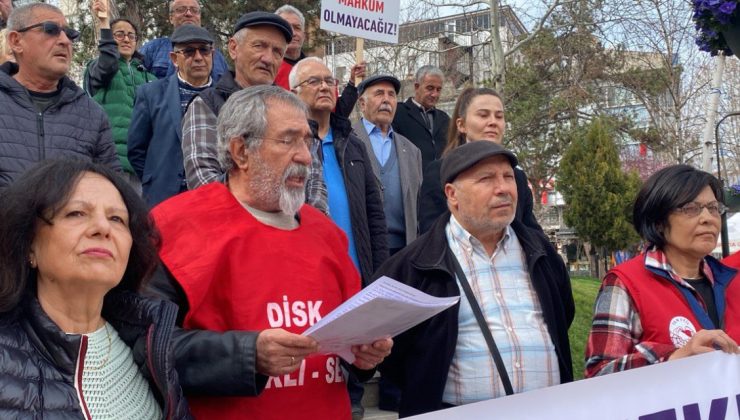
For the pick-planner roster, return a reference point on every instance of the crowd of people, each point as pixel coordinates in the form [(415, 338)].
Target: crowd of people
[(171, 229)]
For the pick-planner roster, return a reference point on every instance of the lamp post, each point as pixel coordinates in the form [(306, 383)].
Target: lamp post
[(724, 234)]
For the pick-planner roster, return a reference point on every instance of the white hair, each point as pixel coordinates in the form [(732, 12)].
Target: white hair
[(293, 76), (288, 9)]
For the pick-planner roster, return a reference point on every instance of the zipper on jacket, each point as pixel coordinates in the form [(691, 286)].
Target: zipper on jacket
[(169, 408), (78, 377), (40, 126)]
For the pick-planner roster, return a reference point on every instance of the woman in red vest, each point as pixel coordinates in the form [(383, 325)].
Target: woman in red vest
[(674, 300)]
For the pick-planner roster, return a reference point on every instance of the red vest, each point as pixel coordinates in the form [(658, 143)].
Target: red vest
[(281, 79), (239, 274), (664, 313)]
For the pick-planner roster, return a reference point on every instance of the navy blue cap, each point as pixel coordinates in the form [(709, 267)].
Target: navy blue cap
[(468, 155), (377, 79), (250, 19), (190, 33)]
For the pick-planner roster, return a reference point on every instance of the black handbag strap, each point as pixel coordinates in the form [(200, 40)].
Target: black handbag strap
[(484, 328)]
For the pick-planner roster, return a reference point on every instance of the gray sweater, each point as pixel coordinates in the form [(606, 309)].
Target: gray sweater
[(74, 127)]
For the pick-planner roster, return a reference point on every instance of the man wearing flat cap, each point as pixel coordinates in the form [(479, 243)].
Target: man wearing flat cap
[(257, 47), (154, 139), (157, 51), (509, 332)]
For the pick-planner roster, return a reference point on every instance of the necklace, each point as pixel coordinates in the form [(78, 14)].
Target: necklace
[(107, 355)]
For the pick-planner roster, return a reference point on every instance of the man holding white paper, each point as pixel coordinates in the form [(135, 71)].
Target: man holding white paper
[(251, 267), (509, 333)]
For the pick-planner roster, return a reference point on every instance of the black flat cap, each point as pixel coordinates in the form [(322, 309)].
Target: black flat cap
[(468, 155), (377, 79), (190, 33), (250, 19)]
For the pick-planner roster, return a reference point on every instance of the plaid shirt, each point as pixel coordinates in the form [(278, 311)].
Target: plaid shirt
[(200, 155), (614, 343), (503, 289)]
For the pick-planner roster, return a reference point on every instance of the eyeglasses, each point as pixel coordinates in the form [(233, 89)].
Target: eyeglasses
[(184, 9), (121, 35), (189, 52), (53, 29), (715, 208), (293, 143), (315, 82)]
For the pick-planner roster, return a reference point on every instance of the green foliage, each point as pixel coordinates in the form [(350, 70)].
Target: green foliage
[(585, 290), (551, 88), (598, 194)]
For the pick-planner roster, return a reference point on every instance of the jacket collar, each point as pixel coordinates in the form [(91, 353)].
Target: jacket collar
[(434, 251), (69, 90), (227, 85)]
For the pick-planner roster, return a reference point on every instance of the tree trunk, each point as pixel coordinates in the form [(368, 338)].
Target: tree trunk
[(497, 48)]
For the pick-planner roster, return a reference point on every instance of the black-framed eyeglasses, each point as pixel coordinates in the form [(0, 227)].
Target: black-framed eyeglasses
[(53, 29), (316, 82), (184, 9), (692, 209), (121, 35), (189, 52)]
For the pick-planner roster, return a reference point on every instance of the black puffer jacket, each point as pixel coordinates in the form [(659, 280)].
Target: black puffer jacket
[(363, 194), (38, 361), (75, 127)]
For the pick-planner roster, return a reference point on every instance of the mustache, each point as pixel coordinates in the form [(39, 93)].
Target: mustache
[(385, 107), (296, 170), (503, 200)]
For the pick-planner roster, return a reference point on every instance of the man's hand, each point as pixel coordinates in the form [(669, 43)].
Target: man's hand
[(368, 356), (100, 12), (358, 70), (280, 352), (705, 341), (5, 7)]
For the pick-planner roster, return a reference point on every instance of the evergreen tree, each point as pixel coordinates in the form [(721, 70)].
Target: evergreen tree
[(598, 194)]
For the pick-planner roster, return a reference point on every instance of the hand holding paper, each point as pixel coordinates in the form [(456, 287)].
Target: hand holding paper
[(384, 309)]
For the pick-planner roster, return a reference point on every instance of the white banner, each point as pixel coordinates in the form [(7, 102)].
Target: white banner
[(368, 19), (704, 387)]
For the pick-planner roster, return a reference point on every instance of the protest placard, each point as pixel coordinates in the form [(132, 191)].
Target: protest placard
[(704, 387), (369, 19)]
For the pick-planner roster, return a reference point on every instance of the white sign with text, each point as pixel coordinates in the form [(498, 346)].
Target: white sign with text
[(704, 387), (369, 19)]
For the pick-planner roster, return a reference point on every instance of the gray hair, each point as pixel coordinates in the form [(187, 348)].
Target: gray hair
[(288, 9), (22, 16), (245, 115), (172, 6), (293, 76), (425, 71)]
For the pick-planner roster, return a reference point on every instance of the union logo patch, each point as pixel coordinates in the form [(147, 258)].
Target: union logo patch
[(681, 331)]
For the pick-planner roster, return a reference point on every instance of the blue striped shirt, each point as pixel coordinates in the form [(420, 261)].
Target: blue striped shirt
[(503, 289)]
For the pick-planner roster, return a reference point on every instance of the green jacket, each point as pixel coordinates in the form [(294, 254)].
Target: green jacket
[(112, 82)]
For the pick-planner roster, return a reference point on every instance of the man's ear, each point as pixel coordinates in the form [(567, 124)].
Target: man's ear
[(238, 152), (173, 58), (451, 194), (14, 42), (233, 45)]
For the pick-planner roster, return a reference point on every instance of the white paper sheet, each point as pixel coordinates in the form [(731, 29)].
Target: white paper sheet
[(384, 309)]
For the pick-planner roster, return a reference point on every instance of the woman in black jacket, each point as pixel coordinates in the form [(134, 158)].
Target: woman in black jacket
[(478, 115), (76, 339)]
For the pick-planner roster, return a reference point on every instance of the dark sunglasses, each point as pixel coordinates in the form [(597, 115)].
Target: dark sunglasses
[(189, 52), (53, 29)]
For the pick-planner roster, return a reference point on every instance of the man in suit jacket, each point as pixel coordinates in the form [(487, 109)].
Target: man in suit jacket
[(396, 161), (419, 120), (154, 138)]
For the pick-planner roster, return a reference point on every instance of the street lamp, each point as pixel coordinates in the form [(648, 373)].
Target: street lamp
[(724, 234)]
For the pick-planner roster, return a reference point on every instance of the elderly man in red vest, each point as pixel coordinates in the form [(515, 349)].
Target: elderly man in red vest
[(252, 267)]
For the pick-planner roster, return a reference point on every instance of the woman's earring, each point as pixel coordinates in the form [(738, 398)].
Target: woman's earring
[(32, 262)]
